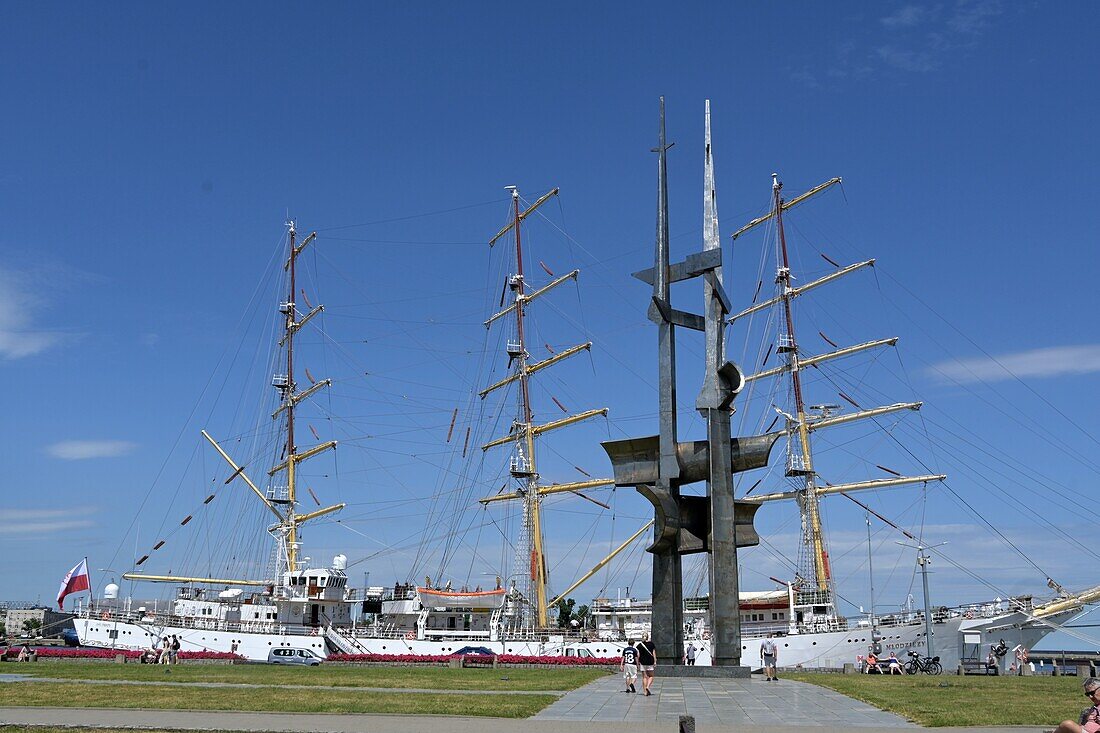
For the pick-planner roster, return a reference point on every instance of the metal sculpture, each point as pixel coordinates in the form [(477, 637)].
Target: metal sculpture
[(658, 466)]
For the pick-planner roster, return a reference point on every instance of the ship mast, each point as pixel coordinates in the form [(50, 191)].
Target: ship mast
[(531, 566), (814, 557), (282, 502), (291, 451), (290, 397), (525, 470), (800, 463)]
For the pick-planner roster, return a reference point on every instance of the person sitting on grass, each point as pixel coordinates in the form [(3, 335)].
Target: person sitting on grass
[(1089, 722), (25, 653)]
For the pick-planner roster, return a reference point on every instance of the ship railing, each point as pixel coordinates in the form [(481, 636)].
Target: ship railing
[(385, 631), (401, 593), (148, 618), (456, 634), (696, 604), (813, 598), (755, 628), (568, 636)]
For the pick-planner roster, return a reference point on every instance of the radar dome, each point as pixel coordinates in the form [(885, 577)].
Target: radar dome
[(110, 591), (340, 562)]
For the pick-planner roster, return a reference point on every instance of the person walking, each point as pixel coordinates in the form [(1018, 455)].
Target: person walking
[(647, 658), (768, 655), (689, 655), (628, 665), (174, 650)]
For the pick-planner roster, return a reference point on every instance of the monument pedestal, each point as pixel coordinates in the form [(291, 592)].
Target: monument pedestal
[(682, 670)]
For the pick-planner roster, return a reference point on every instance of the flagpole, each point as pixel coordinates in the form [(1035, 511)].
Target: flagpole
[(91, 591)]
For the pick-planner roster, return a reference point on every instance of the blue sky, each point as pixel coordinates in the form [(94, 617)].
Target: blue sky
[(153, 152)]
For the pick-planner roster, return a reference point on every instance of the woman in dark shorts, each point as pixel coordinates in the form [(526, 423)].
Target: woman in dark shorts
[(647, 660)]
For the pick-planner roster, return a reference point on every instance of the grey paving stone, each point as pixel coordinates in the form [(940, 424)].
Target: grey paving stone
[(721, 701)]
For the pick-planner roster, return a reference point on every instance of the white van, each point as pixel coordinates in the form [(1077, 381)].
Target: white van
[(293, 656)]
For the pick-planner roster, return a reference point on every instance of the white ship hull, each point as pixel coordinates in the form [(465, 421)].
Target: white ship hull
[(954, 640)]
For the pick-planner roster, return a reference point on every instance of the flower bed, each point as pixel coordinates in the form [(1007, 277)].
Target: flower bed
[(47, 652), (502, 659)]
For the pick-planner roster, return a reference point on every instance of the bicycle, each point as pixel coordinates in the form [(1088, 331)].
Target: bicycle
[(917, 663)]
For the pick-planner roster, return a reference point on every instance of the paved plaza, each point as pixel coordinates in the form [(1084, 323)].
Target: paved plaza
[(726, 701)]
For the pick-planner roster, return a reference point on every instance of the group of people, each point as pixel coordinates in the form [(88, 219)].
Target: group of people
[(641, 657), (872, 664), (164, 651), (25, 653)]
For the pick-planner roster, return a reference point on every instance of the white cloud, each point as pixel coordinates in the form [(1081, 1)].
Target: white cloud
[(906, 16), (44, 521), (928, 38), (38, 528), (1049, 362), (972, 16), (19, 302), (908, 59), (76, 450)]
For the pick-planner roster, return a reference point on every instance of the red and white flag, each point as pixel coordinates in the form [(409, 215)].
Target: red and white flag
[(75, 581)]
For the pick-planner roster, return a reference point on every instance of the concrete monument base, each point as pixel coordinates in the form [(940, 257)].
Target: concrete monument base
[(682, 670)]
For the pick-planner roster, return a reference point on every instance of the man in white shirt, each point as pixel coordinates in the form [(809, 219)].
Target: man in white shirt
[(768, 654)]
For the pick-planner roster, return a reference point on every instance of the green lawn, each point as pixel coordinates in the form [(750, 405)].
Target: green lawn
[(56, 729), (950, 700), (267, 699), (433, 678)]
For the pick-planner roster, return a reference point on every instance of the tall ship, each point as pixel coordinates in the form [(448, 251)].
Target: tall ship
[(300, 605), (499, 465)]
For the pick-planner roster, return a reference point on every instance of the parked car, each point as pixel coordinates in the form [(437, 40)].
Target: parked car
[(480, 650), (293, 656)]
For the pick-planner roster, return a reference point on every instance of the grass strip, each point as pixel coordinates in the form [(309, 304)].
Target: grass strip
[(435, 678), (66, 729), (268, 699), (961, 701)]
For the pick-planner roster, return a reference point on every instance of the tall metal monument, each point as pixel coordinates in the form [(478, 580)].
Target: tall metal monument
[(658, 466)]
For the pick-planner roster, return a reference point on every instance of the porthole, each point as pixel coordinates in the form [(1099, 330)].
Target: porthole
[(815, 643), (786, 645)]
